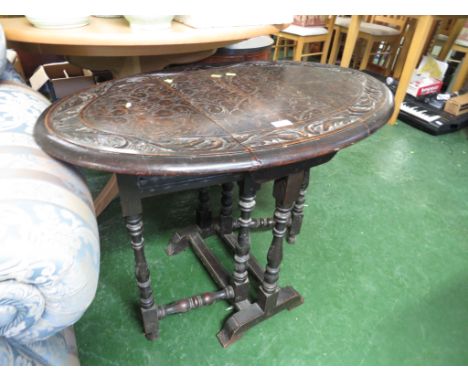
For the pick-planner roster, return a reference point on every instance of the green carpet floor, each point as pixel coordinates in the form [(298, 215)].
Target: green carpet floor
[(382, 263)]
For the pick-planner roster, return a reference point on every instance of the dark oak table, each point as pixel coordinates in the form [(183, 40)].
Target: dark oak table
[(248, 123)]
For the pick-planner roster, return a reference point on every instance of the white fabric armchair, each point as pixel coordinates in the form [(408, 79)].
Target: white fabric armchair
[(49, 253)]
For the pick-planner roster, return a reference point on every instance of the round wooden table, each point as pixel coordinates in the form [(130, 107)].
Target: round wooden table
[(252, 122), (110, 43)]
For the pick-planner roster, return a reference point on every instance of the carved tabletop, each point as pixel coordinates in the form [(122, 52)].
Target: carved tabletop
[(234, 118)]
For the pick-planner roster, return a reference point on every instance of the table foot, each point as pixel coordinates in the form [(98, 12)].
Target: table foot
[(181, 239), (150, 322), (252, 314)]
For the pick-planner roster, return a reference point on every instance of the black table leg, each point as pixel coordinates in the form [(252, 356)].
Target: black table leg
[(240, 279), (285, 192), (203, 210), (270, 298), (148, 310), (298, 211), (132, 211), (225, 218)]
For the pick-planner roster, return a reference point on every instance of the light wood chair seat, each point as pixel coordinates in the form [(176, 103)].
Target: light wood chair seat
[(441, 37), (304, 31), (461, 42), (369, 28)]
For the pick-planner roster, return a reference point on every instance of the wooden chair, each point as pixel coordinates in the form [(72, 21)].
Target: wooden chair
[(459, 45), (441, 33), (298, 38), (462, 71), (386, 31)]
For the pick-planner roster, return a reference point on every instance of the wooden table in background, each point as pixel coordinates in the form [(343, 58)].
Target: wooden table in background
[(109, 43)]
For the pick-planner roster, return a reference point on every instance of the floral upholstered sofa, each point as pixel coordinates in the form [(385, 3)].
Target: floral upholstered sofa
[(49, 244)]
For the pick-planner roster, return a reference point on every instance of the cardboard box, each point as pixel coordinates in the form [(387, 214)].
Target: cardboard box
[(457, 105), (428, 78), (60, 79)]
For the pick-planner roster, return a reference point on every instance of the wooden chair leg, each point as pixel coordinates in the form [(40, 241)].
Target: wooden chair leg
[(366, 56), (335, 46), (461, 75), (402, 54), (327, 43), (285, 49), (421, 33), (275, 52), (391, 58), (351, 38), (325, 48), (298, 50), (451, 39), (107, 195)]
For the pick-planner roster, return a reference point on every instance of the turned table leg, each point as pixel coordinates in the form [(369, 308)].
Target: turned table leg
[(297, 214), (240, 281), (270, 298), (203, 210), (132, 211), (225, 218), (285, 192)]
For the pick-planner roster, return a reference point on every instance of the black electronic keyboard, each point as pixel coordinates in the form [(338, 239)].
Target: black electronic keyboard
[(429, 119), (426, 113)]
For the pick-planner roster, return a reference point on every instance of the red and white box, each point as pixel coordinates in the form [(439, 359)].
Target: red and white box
[(422, 86), (428, 78)]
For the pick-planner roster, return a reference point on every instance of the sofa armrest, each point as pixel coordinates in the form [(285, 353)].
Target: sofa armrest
[(49, 262)]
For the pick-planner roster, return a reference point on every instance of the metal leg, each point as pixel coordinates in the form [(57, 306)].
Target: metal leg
[(298, 211)]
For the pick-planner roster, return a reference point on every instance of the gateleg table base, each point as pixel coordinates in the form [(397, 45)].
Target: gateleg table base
[(248, 314), (252, 290)]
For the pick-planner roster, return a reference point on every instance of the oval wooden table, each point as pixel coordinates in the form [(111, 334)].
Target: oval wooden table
[(248, 123)]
